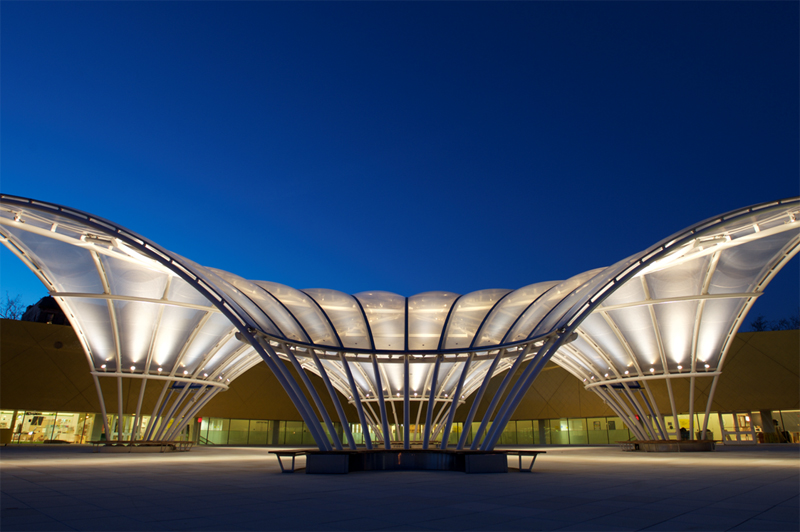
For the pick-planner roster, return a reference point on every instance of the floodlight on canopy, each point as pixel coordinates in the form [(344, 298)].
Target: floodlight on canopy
[(142, 312)]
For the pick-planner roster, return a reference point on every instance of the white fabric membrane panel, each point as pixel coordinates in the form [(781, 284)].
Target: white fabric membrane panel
[(636, 326), (676, 324), (93, 319), (230, 346), (394, 375), (70, 268), (590, 357), (717, 320), (136, 321), (541, 306), (305, 310), (467, 316), (127, 278), (504, 315), (741, 267), (427, 313), (177, 324), (206, 339), (562, 298), (596, 327), (345, 315), (259, 305), (386, 314), (629, 293), (182, 292), (681, 280)]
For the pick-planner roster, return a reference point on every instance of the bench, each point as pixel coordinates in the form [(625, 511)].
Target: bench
[(163, 445), (520, 454), (293, 455)]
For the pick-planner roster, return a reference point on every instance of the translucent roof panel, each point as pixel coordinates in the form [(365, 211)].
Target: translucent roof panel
[(69, 267), (563, 300), (346, 316), (717, 319), (137, 321), (306, 311), (596, 328), (213, 330), (467, 316), (679, 280), (174, 330), (503, 316), (628, 293), (182, 292), (543, 305), (676, 324), (386, 315), (93, 318), (636, 325), (741, 267), (257, 304), (427, 313), (131, 279)]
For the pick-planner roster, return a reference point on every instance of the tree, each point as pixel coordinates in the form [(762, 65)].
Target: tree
[(11, 309), (759, 324)]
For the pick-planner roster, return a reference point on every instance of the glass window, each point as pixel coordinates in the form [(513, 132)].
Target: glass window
[(791, 424), (509, 435), (6, 418), (238, 432), (218, 430), (577, 431), (617, 431), (293, 431), (259, 432), (559, 431), (597, 430), (308, 438), (526, 432)]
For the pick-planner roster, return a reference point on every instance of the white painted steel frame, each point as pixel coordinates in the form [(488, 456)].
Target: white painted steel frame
[(562, 309)]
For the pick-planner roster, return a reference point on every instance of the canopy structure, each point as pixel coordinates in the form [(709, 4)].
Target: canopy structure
[(145, 313)]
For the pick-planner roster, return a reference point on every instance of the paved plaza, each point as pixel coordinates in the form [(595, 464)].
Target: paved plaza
[(571, 488)]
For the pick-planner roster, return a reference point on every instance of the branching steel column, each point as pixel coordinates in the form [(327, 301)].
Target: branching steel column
[(138, 419), (102, 406), (157, 411), (487, 416), (431, 402), (336, 403), (381, 403), (476, 402), (406, 405), (315, 396), (708, 406), (519, 390), (290, 386), (454, 404), (357, 401)]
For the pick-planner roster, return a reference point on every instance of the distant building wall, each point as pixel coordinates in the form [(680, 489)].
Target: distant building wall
[(43, 367)]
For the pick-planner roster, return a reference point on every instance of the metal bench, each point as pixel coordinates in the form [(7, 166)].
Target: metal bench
[(520, 454), (293, 455)]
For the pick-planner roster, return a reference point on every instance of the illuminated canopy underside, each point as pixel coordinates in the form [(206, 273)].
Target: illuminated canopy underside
[(143, 312)]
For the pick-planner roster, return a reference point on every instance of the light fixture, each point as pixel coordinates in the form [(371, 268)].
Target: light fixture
[(160, 370), (205, 374), (626, 372), (133, 368), (680, 367), (185, 372), (103, 366), (606, 375), (707, 366), (652, 370)]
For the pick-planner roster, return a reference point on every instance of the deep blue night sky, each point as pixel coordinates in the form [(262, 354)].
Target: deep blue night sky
[(402, 146)]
